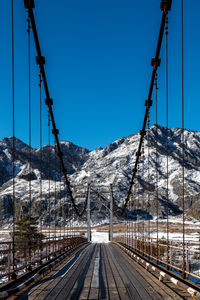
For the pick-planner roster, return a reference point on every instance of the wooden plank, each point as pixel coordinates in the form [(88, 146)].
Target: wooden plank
[(102, 272), (82, 281), (94, 293), (94, 287), (103, 291), (157, 285), (36, 288), (154, 287), (143, 288), (131, 290), (58, 282), (112, 288), (133, 285), (183, 294), (66, 284), (84, 294), (119, 282)]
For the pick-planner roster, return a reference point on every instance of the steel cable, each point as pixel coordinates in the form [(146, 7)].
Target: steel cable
[(155, 63), (29, 109), (49, 102), (55, 193), (157, 237), (183, 141), (13, 276), (148, 193), (40, 88), (29, 5), (167, 140)]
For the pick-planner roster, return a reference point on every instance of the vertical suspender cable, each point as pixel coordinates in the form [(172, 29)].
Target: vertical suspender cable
[(130, 220), (135, 208), (73, 225), (157, 237), (148, 163), (49, 211), (55, 197), (29, 101), (67, 220), (138, 208), (132, 208), (64, 213), (60, 209), (40, 86), (183, 142), (167, 138), (143, 199), (13, 142), (133, 218), (126, 226)]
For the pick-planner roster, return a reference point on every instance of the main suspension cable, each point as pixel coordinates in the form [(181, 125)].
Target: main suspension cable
[(165, 7), (29, 5)]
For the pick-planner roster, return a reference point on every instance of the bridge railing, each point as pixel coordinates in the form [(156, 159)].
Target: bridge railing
[(29, 256), (169, 255)]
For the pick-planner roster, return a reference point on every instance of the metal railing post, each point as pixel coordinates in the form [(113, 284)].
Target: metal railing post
[(111, 215), (88, 217)]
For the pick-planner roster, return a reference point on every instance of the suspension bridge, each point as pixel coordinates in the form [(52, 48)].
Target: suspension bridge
[(61, 261)]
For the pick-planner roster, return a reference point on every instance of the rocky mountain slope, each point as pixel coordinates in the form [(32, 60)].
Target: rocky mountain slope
[(102, 167)]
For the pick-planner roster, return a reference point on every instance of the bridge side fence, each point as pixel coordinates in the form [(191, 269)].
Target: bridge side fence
[(29, 257), (158, 251)]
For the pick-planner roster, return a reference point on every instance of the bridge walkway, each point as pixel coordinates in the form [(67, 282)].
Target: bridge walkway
[(99, 271)]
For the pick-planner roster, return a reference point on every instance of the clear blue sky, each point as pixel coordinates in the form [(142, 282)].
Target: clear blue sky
[(98, 55)]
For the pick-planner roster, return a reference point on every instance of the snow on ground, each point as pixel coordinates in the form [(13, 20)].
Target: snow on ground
[(194, 237), (99, 237)]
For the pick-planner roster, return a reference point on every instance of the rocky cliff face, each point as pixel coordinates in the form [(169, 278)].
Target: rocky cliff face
[(102, 167)]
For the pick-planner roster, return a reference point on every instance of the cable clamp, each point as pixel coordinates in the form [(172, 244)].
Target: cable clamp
[(60, 154), (49, 101), (40, 60), (155, 62), (29, 4), (148, 103), (143, 132), (55, 132), (166, 5), (64, 170)]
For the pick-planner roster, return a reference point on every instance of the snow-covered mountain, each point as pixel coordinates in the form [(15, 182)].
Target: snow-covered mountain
[(102, 167)]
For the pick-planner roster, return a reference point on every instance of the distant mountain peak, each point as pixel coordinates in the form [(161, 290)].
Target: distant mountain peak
[(112, 164)]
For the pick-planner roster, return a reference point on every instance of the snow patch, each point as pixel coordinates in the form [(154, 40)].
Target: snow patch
[(99, 237)]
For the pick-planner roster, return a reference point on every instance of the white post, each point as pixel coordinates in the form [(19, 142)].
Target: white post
[(88, 216), (111, 215)]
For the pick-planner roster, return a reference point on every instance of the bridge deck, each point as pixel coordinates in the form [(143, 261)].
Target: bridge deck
[(99, 271)]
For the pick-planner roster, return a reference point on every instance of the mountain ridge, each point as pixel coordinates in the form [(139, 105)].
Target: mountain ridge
[(102, 167)]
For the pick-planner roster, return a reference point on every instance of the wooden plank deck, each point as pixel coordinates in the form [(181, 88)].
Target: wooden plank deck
[(99, 271)]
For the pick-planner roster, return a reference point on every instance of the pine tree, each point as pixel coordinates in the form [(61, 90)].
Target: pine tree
[(27, 236)]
